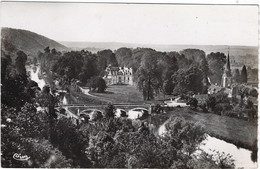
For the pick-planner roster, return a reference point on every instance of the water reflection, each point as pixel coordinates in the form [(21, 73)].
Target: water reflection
[(64, 101), (241, 156)]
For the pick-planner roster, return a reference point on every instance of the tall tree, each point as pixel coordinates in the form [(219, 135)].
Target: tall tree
[(236, 76), (216, 62), (20, 62), (149, 76), (124, 56), (105, 58), (69, 66), (193, 55), (244, 75), (185, 80), (89, 70), (47, 100)]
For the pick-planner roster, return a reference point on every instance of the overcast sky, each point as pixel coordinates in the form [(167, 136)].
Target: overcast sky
[(136, 23)]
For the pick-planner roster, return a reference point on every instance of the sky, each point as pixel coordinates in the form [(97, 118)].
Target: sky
[(136, 23)]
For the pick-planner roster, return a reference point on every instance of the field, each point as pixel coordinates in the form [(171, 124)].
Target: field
[(124, 94)]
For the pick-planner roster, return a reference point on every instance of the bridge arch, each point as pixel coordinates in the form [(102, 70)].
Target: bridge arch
[(88, 111)]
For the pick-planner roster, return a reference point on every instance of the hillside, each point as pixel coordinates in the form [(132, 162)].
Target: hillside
[(29, 42)]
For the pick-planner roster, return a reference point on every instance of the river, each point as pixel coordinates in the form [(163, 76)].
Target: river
[(241, 156), (34, 71)]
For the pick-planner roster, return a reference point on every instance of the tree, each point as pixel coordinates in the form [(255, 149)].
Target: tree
[(71, 142), (236, 76), (204, 67), (167, 64), (187, 135), (244, 75), (253, 92), (193, 102), (20, 63), (69, 66), (216, 62), (149, 78), (6, 63), (105, 58), (110, 111), (98, 83), (188, 80), (211, 102), (168, 87), (48, 101), (53, 51), (89, 69), (194, 55), (124, 56), (47, 49)]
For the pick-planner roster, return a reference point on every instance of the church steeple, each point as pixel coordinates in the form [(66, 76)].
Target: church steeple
[(227, 76), (227, 68)]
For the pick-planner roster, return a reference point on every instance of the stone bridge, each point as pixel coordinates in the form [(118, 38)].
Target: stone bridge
[(83, 107), (74, 110)]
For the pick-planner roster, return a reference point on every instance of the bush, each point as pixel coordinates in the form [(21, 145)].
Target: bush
[(158, 109), (97, 115), (231, 113), (110, 111), (193, 102), (220, 108)]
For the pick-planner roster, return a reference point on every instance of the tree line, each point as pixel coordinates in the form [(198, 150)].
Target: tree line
[(187, 71)]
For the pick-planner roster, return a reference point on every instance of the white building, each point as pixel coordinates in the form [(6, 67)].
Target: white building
[(118, 75)]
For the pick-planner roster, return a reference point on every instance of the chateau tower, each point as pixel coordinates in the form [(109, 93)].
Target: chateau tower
[(227, 76)]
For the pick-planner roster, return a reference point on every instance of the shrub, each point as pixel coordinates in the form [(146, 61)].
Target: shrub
[(158, 109), (193, 102), (97, 115), (110, 111)]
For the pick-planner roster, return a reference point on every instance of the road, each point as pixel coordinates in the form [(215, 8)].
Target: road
[(86, 92)]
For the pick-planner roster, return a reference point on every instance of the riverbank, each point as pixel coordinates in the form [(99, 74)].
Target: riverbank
[(238, 132)]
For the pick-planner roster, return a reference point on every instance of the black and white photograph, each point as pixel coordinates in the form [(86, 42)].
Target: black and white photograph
[(129, 85)]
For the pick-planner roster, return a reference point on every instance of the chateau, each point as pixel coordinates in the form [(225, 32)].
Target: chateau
[(118, 75)]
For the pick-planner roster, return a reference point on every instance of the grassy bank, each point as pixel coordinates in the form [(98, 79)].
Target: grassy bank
[(76, 97), (239, 132)]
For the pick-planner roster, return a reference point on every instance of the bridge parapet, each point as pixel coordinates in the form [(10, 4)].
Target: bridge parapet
[(126, 107)]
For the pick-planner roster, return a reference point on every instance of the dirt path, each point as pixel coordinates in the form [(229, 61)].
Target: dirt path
[(86, 92)]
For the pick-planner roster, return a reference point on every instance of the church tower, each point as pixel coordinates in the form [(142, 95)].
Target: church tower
[(227, 76)]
